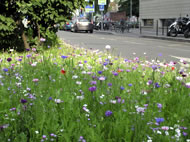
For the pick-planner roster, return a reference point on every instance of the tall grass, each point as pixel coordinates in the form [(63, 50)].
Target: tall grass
[(69, 94)]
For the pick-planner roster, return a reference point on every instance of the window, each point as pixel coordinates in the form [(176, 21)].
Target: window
[(148, 22)]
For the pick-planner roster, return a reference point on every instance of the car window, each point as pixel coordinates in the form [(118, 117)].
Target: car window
[(83, 20)]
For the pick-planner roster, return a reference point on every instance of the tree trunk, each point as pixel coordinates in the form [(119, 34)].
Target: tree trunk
[(24, 38), (38, 30)]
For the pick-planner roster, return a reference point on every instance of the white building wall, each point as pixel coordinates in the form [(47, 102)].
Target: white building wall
[(163, 9)]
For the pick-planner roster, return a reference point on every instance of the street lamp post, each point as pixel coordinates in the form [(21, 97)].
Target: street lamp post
[(131, 8)]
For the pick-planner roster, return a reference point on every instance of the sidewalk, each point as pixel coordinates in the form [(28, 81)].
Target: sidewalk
[(146, 34)]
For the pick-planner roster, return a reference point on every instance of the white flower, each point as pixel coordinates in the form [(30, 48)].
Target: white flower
[(108, 47), (37, 132), (188, 84), (102, 96), (34, 64), (83, 72), (188, 140), (149, 140), (58, 101), (179, 78), (105, 68), (166, 132), (113, 101), (78, 82), (109, 57), (159, 132), (80, 97), (85, 105), (80, 65), (11, 50), (1, 76), (102, 78), (74, 77)]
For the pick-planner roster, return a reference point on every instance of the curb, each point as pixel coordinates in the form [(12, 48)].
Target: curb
[(104, 32), (166, 38)]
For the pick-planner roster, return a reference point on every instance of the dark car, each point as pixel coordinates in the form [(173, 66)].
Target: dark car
[(81, 24)]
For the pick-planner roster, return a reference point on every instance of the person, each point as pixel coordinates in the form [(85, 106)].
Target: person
[(122, 24)]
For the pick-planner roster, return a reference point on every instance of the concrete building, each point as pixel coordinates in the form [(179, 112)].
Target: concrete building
[(163, 11)]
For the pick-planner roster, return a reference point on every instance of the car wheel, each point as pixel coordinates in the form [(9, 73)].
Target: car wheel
[(91, 31), (75, 30), (173, 32), (86, 31)]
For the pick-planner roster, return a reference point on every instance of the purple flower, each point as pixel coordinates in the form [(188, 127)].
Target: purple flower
[(122, 88), (42, 39), (85, 61), (44, 136), (5, 70), (93, 83), (34, 49), (105, 63), (157, 85), (130, 84), (50, 98), (109, 84), (28, 49), (9, 59), (23, 101), (92, 89), (185, 134), (99, 72), (159, 105), (128, 70), (19, 59), (154, 67), (28, 56), (115, 73), (108, 113), (64, 57), (13, 109), (159, 120)]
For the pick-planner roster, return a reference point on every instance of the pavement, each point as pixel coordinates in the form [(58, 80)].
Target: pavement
[(146, 33)]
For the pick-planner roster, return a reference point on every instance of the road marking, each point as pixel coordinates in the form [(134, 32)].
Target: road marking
[(174, 45), (181, 58), (134, 42)]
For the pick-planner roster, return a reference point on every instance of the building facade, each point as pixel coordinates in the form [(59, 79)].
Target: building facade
[(162, 12)]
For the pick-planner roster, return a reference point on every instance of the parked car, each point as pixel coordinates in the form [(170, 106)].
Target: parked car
[(67, 26), (81, 24)]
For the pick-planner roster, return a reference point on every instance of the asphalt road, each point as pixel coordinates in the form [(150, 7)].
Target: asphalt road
[(129, 46)]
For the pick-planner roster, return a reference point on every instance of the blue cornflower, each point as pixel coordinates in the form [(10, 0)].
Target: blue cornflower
[(23, 101), (105, 63), (159, 120), (109, 84), (92, 89), (130, 84), (100, 72), (154, 67), (108, 113), (5, 70), (122, 88), (157, 85), (64, 57)]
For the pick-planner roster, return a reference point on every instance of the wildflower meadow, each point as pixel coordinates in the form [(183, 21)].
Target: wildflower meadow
[(71, 94)]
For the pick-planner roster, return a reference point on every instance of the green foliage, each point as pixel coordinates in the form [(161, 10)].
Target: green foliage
[(41, 15), (125, 6)]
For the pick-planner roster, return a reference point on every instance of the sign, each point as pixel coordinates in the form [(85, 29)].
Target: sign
[(89, 8), (101, 7), (101, 2)]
